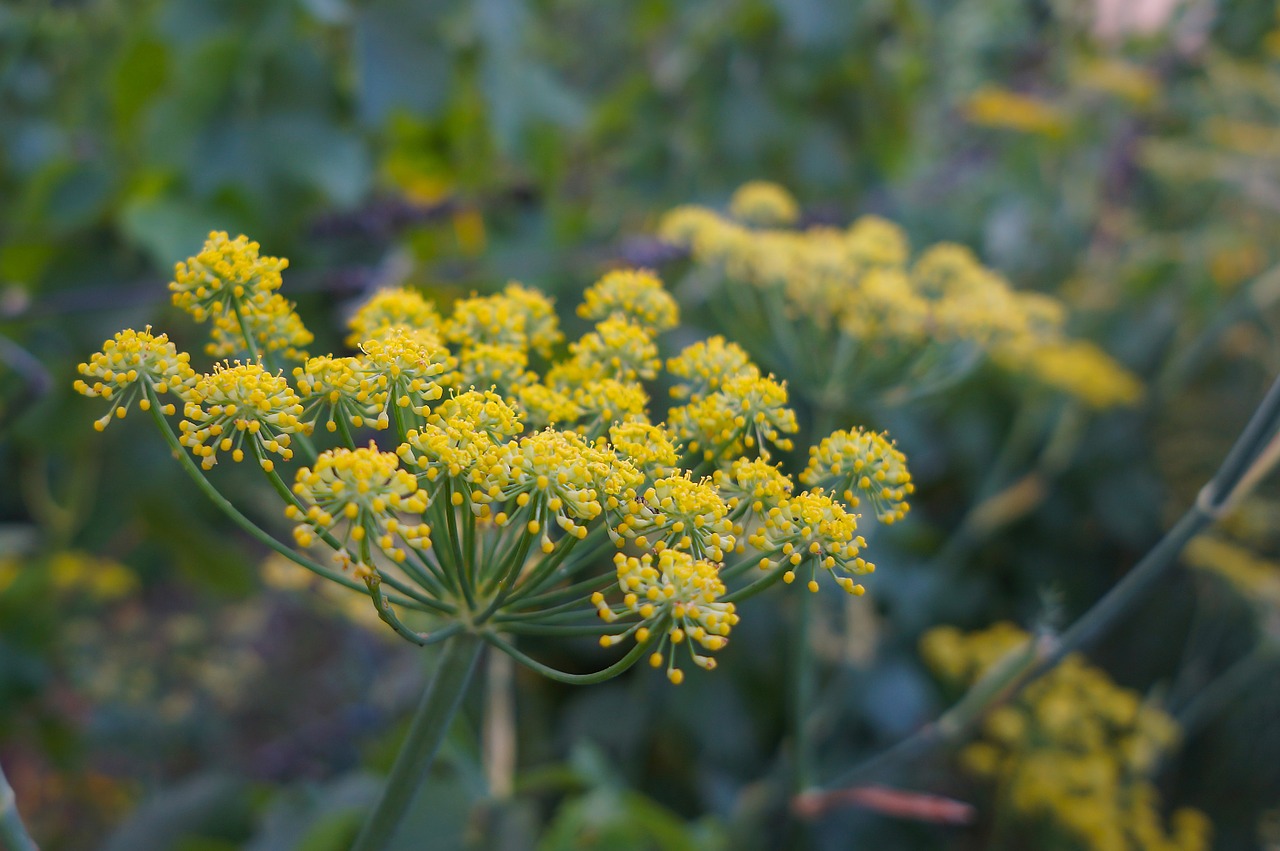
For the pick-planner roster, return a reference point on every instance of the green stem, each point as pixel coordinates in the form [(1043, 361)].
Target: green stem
[(250, 346), (802, 691), (595, 628), (997, 684), (1238, 472), (746, 592), (464, 569), (509, 576), (13, 833), (555, 600), (251, 528), (344, 430), (549, 672), (430, 724), (391, 619), (1219, 694), (289, 497)]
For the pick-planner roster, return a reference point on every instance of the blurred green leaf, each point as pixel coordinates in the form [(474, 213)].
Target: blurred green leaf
[(209, 804)]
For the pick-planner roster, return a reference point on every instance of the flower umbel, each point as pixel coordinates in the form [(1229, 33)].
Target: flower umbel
[(236, 401), (503, 471), (366, 489), (677, 595), (130, 360)]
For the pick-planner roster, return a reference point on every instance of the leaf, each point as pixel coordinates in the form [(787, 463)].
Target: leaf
[(206, 803), (140, 76), (168, 229), (401, 63), (317, 819), (319, 155)]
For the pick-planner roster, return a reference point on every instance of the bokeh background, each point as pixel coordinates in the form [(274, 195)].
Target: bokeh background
[(166, 685)]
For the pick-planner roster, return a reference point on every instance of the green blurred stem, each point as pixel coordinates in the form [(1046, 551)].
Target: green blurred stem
[(430, 724), (1221, 692), (766, 582), (250, 346), (802, 690), (1252, 456), (13, 833)]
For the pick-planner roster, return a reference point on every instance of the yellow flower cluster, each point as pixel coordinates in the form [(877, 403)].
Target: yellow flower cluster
[(617, 349), (518, 318), (848, 305), (754, 484), (236, 400), (748, 413), (815, 530), (676, 511), (510, 465), (861, 464), (650, 448), (1076, 367), (1073, 753), (129, 362), (391, 308), (403, 370), (71, 573), (366, 489), (631, 294), (678, 593), (229, 283), (702, 367), (996, 107), (760, 202)]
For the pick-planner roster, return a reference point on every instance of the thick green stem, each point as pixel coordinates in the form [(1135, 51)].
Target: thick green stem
[(430, 724), (802, 691), (13, 833), (1217, 695)]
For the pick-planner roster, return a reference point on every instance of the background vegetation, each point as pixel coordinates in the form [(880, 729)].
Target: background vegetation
[(163, 684)]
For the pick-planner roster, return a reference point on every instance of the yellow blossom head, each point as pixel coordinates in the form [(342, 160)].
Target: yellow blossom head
[(812, 531), (760, 202), (748, 413), (678, 594), (390, 308), (367, 491), (131, 363), (861, 465), (617, 349), (636, 295), (236, 402), (702, 367), (225, 273)]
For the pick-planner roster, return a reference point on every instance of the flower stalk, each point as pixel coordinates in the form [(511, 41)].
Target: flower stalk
[(430, 724)]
